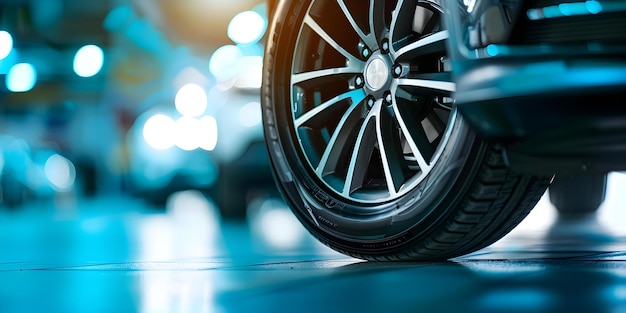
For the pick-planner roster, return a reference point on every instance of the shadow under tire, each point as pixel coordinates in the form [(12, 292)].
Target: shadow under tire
[(378, 165)]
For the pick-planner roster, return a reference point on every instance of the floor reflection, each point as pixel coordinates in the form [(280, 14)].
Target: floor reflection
[(189, 228), (118, 254)]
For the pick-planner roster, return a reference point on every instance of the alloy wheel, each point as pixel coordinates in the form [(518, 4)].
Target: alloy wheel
[(371, 90)]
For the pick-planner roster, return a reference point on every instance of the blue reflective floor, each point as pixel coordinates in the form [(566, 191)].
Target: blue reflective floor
[(120, 255)]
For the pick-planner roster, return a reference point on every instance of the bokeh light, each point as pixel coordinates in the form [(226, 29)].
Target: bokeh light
[(22, 77), (208, 133), (191, 100), (60, 172), (251, 76), (224, 63), (247, 27), (118, 18), (158, 131), (88, 61), (188, 133), (250, 114), (278, 226), (6, 44)]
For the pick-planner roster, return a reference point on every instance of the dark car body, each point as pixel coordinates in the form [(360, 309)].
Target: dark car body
[(545, 78)]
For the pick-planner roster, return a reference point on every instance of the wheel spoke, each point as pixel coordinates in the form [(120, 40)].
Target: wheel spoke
[(356, 96), (436, 84), (323, 74), (429, 44), (378, 27), (308, 20), (402, 16), (361, 156), (338, 142), (390, 152), (415, 137)]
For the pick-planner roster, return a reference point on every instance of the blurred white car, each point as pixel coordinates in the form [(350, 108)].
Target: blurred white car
[(215, 146), (28, 173)]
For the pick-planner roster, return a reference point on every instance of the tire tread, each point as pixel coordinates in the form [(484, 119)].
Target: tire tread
[(496, 202)]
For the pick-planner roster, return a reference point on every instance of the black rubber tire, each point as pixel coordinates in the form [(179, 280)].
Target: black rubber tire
[(474, 200), (578, 194)]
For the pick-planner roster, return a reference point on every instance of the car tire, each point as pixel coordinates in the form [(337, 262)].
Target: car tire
[(578, 194), (364, 140)]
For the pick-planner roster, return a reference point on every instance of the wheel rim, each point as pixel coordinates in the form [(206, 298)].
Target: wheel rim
[(371, 95)]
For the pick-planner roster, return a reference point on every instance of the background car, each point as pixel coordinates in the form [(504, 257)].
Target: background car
[(204, 132), (218, 151), (30, 174)]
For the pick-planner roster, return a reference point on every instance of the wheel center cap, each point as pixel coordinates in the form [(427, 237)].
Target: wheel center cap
[(376, 74)]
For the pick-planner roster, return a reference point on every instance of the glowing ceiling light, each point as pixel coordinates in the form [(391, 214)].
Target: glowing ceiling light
[(247, 27), (188, 133), (60, 172), (208, 133), (158, 132), (88, 61), (191, 100), (21, 77), (225, 62), (6, 44)]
